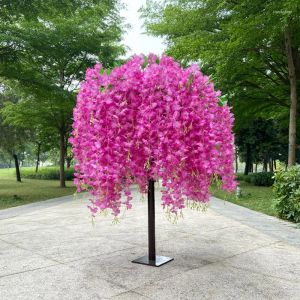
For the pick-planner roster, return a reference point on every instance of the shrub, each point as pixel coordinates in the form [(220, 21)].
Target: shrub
[(258, 179), (262, 179), (48, 173), (287, 191), (242, 177)]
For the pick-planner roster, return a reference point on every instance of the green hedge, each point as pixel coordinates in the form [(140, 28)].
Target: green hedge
[(287, 192), (258, 179), (242, 177), (262, 179), (48, 173)]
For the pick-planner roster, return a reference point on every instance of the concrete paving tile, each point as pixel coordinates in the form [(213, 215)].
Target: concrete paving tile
[(190, 251), (119, 268), (231, 241), (81, 248), (37, 239), (140, 237), (84, 247), (197, 222), (59, 282), (212, 246), (32, 207), (13, 225), (272, 226), (66, 244), (14, 260), (216, 281), (278, 260), (54, 220)]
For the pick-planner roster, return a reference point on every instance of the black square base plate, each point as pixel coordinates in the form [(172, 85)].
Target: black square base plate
[(159, 261)]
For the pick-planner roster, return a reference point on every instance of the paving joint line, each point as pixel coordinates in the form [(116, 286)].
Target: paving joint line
[(263, 274), (253, 249), (92, 256), (57, 263), (134, 292), (32, 251), (38, 223), (30, 270)]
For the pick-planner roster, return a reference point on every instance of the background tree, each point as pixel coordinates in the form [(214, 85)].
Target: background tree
[(250, 48), (52, 47), (260, 141), (12, 141)]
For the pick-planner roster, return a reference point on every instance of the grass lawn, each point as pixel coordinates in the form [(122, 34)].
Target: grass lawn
[(257, 198), (13, 193)]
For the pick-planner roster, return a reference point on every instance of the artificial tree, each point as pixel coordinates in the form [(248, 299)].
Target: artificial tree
[(146, 120)]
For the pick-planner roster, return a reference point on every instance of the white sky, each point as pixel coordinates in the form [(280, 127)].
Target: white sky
[(136, 39)]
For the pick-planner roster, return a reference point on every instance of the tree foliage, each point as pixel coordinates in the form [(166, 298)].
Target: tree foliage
[(242, 44), (261, 141), (44, 53), (12, 140)]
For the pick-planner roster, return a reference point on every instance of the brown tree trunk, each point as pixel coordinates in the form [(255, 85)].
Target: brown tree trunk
[(62, 136), (68, 157), (38, 157), (18, 174), (68, 161), (248, 160), (271, 165), (293, 97), (265, 165), (62, 159), (274, 163), (236, 162)]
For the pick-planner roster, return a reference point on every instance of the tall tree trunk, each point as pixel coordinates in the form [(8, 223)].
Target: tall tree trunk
[(271, 165), (256, 168), (236, 162), (62, 159), (265, 164), (18, 174), (9, 166), (62, 135), (248, 160), (293, 97), (275, 166), (68, 157), (38, 157)]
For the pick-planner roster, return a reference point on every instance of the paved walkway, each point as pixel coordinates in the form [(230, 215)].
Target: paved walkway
[(51, 250)]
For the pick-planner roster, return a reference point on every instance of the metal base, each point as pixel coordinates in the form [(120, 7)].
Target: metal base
[(159, 261)]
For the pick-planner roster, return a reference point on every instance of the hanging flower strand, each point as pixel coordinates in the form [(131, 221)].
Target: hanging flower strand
[(151, 120)]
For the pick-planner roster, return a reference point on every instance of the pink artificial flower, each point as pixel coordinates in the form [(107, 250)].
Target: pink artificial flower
[(159, 121)]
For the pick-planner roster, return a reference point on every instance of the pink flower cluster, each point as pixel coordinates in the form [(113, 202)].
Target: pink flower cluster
[(150, 119)]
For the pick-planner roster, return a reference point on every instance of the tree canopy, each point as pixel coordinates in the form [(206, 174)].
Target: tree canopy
[(44, 53), (242, 44)]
